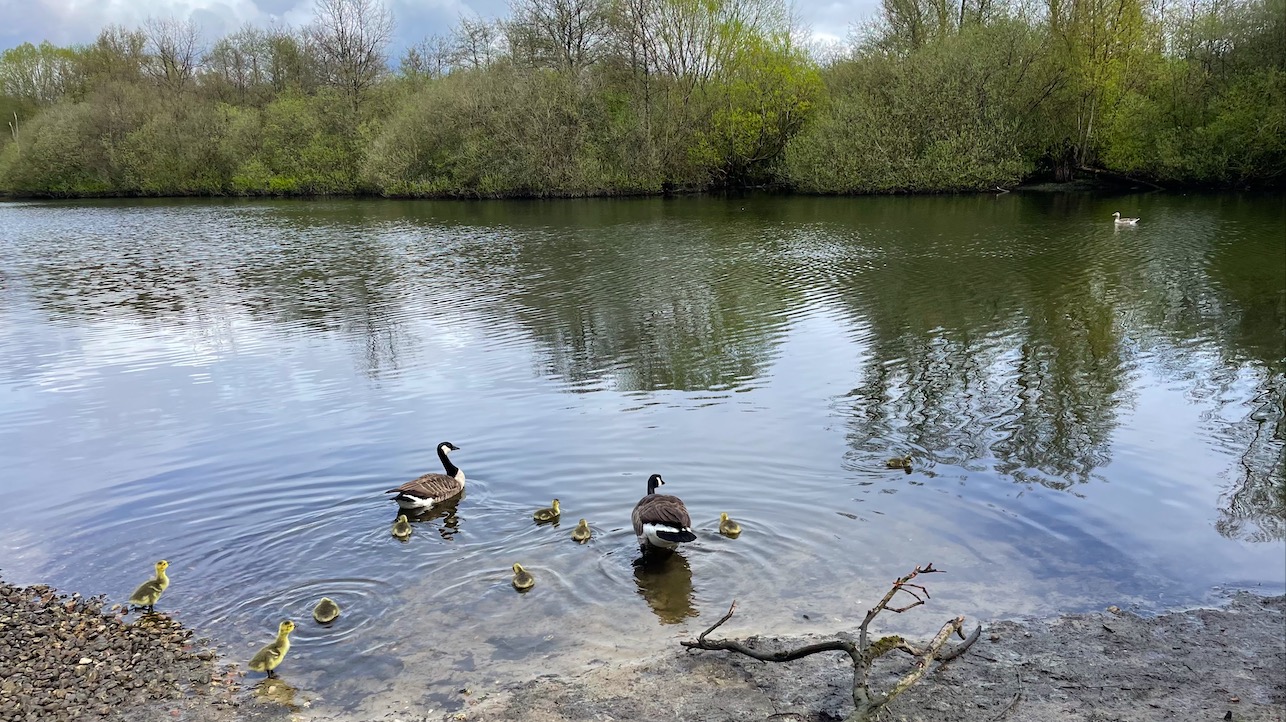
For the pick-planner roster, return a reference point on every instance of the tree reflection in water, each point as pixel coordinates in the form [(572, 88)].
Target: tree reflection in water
[(1000, 334)]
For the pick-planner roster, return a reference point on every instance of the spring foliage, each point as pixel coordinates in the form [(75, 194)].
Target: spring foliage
[(600, 97)]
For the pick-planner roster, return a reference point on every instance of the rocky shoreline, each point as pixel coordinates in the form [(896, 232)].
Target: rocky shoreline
[(66, 657)]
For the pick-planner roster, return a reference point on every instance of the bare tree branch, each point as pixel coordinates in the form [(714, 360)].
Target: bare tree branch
[(837, 645), (351, 37), (867, 703), (174, 51)]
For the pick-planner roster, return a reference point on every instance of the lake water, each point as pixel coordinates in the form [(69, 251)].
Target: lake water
[(1094, 414)]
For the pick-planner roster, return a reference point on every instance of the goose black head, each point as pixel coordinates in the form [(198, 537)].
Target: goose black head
[(446, 446), (654, 481)]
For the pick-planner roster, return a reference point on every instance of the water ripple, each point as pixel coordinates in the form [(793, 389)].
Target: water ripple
[(233, 385)]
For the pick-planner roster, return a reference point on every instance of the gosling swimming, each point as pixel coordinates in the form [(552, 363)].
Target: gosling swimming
[(402, 527), (582, 533), (523, 580), (326, 611), (550, 513), (728, 527), (267, 659), (899, 462), (150, 591)]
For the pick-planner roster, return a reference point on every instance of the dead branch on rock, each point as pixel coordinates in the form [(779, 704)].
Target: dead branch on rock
[(863, 653)]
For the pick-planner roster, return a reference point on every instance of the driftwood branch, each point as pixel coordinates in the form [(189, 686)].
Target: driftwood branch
[(867, 703), (961, 648), (835, 645)]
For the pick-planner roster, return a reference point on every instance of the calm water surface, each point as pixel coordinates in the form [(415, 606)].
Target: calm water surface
[(1095, 415)]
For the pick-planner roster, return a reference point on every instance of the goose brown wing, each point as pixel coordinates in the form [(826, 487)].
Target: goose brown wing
[(430, 486), (660, 509)]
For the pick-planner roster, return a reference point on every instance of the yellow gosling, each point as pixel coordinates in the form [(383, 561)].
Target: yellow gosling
[(150, 591), (267, 659), (523, 580), (899, 462), (402, 527), (550, 513), (728, 527), (326, 611)]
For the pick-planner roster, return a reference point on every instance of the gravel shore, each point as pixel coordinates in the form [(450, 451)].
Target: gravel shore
[(67, 657), (72, 658)]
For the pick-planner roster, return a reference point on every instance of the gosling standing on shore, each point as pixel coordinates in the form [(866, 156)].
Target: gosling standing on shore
[(150, 591), (267, 659)]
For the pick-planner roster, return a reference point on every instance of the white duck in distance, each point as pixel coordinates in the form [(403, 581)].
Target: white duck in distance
[(1124, 221), (661, 520), (423, 493)]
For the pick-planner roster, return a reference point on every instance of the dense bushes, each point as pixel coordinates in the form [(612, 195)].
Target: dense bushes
[(943, 118), (643, 96)]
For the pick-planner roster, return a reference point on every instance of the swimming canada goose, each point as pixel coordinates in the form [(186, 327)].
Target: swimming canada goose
[(326, 611), (149, 592), (728, 527), (581, 533), (523, 580), (267, 659), (549, 513), (660, 519), (422, 493), (899, 462), (402, 527), (1124, 221)]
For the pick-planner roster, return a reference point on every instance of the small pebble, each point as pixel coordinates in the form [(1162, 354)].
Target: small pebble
[(44, 632)]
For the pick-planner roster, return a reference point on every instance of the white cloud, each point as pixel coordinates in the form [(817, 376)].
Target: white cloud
[(68, 22)]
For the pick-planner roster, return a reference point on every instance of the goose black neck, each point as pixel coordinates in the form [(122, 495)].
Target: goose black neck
[(452, 469), (651, 485)]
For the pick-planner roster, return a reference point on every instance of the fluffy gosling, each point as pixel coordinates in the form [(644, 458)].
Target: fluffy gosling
[(267, 659), (150, 591)]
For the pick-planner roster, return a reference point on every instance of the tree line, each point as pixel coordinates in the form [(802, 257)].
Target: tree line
[(601, 97)]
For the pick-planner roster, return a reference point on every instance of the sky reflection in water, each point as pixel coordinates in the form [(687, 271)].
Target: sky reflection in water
[(1095, 415)]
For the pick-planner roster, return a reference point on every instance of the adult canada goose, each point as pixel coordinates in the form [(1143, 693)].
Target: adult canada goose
[(1124, 221), (402, 527), (523, 580), (661, 520), (728, 527), (549, 513), (149, 592), (422, 493), (326, 611), (581, 533), (267, 659)]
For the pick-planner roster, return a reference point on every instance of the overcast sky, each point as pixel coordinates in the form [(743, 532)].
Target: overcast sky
[(66, 22)]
